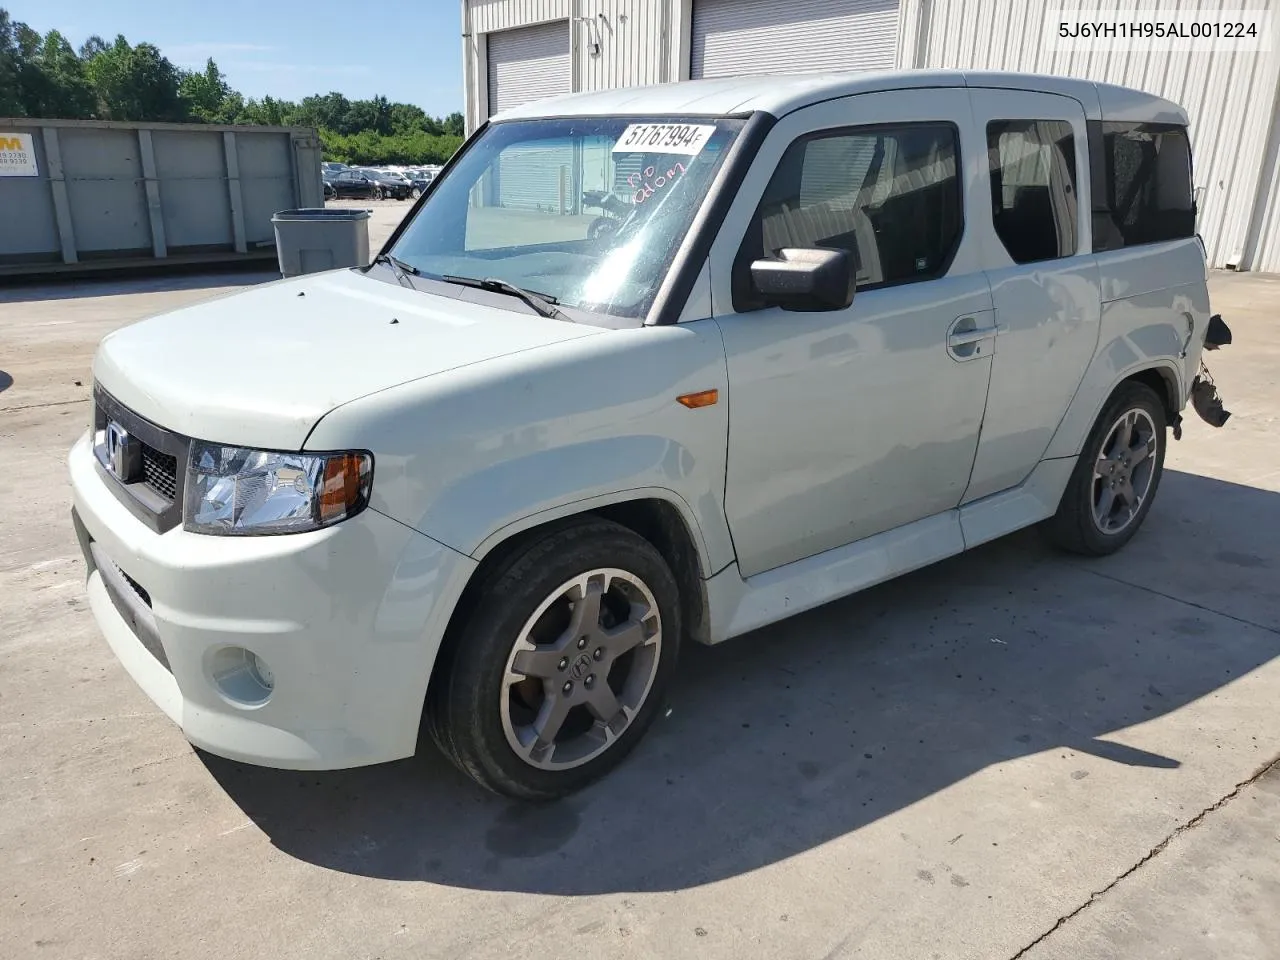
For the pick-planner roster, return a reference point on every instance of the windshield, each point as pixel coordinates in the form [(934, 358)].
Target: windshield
[(589, 210)]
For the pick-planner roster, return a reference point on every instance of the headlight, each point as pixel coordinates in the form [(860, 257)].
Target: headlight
[(230, 490)]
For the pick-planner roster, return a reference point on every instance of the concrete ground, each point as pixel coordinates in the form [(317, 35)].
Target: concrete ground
[(1011, 754)]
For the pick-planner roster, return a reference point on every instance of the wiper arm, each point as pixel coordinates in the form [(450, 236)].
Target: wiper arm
[(399, 267), (543, 304)]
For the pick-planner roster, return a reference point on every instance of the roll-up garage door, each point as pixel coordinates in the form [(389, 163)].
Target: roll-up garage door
[(742, 37), (527, 64)]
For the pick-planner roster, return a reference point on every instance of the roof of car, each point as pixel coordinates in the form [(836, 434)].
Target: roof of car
[(780, 94)]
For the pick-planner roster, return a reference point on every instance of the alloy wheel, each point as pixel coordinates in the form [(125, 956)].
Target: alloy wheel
[(1123, 471), (581, 668)]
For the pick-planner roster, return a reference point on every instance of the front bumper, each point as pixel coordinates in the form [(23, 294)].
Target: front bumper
[(348, 619)]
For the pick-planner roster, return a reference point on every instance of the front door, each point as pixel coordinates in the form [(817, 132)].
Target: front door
[(847, 423), (1044, 278)]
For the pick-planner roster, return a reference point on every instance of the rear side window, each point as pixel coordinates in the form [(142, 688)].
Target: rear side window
[(888, 195), (1033, 188), (1141, 175)]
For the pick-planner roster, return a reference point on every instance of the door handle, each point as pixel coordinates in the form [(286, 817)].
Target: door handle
[(962, 338)]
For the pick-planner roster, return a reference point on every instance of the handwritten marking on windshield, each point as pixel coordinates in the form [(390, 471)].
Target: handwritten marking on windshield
[(649, 181)]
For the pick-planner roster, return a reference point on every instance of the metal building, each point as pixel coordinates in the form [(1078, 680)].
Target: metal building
[(515, 51)]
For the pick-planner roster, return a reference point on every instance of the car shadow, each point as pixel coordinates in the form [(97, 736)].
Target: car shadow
[(110, 283), (781, 740), (6, 381)]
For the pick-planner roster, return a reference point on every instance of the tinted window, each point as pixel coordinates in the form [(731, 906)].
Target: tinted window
[(888, 195), (1141, 184), (1033, 187)]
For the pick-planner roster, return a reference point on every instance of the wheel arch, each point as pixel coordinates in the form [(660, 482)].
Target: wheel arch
[(1160, 374), (1163, 381), (656, 518)]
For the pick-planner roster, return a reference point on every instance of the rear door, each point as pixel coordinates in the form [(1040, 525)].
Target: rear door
[(1032, 222)]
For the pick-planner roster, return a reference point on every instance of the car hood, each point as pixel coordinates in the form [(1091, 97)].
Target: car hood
[(261, 367)]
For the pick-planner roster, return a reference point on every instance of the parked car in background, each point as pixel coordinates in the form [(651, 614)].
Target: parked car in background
[(327, 186), (387, 183), (353, 183), (420, 179), (333, 167)]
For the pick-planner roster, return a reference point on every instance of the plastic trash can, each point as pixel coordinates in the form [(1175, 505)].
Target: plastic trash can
[(314, 239)]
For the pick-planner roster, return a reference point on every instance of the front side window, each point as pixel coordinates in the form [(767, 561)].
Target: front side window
[(890, 196), (1141, 184), (590, 210), (1033, 188)]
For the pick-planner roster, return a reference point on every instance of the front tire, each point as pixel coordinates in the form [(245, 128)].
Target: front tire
[(562, 663), (1116, 478)]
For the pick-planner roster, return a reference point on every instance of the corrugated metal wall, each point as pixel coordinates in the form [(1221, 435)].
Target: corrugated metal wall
[(490, 15), (632, 38), (527, 64), (1230, 97), (745, 37), (1264, 239)]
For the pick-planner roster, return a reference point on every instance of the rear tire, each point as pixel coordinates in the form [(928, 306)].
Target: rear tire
[(562, 662), (1116, 478)]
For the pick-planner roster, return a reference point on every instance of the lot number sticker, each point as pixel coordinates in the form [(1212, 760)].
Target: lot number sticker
[(17, 155), (683, 138)]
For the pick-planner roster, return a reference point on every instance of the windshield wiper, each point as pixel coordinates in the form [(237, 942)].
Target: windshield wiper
[(543, 304), (399, 267)]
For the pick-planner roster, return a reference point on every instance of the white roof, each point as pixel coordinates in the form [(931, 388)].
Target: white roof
[(780, 94)]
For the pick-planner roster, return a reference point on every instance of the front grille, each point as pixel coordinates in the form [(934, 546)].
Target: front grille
[(152, 487), (160, 472)]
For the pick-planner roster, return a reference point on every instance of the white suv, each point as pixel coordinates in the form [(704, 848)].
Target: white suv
[(647, 366)]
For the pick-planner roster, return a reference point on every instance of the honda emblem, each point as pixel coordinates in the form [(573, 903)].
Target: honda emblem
[(121, 452)]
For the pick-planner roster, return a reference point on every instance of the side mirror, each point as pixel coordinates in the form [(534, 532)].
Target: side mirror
[(805, 279)]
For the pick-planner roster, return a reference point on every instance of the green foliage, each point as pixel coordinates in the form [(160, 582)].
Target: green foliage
[(206, 93), (411, 148), (10, 95), (46, 77), (135, 83)]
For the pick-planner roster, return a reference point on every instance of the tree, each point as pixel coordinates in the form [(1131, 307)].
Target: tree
[(406, 118), (454, 125), (206, 93), (92, 47), (268, 111), (372, 115), (67, 92), (30, 83), (10, 99), (328, 111), (135, 83)]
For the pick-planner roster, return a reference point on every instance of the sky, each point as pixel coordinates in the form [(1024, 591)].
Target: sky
[(410, 53)]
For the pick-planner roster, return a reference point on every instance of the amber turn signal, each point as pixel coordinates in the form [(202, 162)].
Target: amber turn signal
[(345, 486), (703, 398)]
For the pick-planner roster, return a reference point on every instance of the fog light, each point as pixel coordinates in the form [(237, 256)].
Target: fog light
[(265, 676), (241, 676)]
